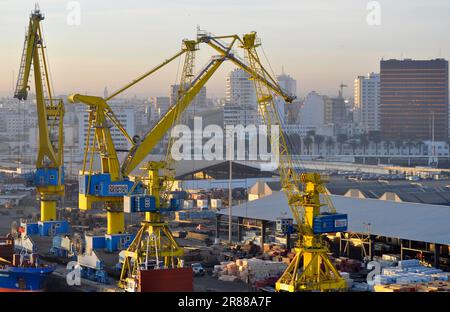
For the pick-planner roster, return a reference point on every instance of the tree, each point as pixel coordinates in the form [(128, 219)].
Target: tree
[(307, 141), (318, 139), (420, 145), (329, 142), (387, 145), (375, 136), (399, 145), (364, 141), (296, 143), (353, 144), (409, 144), (341, 139)]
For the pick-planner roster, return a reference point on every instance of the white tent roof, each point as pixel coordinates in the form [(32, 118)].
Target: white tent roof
[(414, 221)]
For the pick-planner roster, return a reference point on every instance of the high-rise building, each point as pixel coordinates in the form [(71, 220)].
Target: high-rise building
[(288, 84), (412, 93), (335, 110), (367, 102), (312, 110), (241, 105), (159, 106)]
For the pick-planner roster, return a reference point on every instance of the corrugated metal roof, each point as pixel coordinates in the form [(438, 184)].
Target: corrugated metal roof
[(414, 221)]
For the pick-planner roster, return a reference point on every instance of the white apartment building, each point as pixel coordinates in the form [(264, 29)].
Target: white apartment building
[(15, 124), (367, 101), (312, 112), (241, 105), (289, 85)]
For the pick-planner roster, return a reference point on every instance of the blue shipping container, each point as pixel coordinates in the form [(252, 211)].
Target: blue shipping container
[(323, 224), (95, 242), (31, 228), (139, 203), (330, 223), (340, 222), (145, 203), (115, 242), (52, 228)]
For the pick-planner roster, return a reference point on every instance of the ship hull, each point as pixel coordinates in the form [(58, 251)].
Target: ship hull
[(20, 279)]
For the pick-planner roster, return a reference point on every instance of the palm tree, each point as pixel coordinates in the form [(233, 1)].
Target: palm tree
[(307, 141), (409, 144), (329, 142), (387, 145), (318, 139), (341, 139), (353, 144), (375, 136), (364, 140), (420, 145), (296, 142), (399, 145)]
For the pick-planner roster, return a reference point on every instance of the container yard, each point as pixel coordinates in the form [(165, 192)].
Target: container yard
[(105, 196)]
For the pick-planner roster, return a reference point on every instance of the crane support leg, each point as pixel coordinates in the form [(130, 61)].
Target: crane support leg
[(311, 268), (48, 210), (115, 222)]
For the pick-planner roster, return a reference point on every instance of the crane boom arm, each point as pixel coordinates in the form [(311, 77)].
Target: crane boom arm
[(104, 141), (266, 79), (140, 151), (34, 55)]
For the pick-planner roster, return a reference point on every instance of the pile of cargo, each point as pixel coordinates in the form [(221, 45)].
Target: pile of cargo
[(277, 253), (344, 264), (409, 274), (434, 286), (249, 271)]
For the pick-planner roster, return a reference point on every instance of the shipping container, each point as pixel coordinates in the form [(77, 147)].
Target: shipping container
[(166, 280), (115, 242), (95, 242), (52, 228), (139, 203), (31, 228), (330, 223), (340, 222)]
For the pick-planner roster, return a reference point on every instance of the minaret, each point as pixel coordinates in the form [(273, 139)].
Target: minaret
[(105, 93)]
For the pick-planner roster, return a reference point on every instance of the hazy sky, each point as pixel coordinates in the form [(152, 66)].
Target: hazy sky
[(319, 42)]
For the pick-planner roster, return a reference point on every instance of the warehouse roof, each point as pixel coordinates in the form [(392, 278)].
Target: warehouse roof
[(413, 221)]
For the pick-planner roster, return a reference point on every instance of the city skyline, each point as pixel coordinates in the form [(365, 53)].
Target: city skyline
[(87, 57)]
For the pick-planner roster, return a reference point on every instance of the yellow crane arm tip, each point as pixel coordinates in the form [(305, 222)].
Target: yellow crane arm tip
[(72, 98)]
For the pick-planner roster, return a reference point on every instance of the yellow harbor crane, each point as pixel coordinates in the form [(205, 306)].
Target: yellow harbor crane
[(49, 176), (311, 269)]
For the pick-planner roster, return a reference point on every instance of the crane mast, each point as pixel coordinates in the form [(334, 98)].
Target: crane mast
[(49, 176), (311, 268)]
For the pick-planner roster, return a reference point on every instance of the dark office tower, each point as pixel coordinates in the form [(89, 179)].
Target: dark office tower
[(412, 92)]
